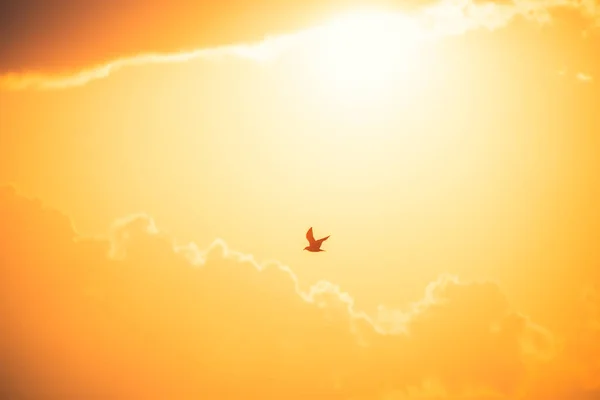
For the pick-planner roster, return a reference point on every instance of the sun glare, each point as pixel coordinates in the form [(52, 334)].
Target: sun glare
[(364, 52)]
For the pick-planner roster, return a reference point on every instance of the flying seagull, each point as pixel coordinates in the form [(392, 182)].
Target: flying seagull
[(314, 245)]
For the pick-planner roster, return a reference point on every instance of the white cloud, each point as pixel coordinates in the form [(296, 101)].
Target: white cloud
[(585, 78)]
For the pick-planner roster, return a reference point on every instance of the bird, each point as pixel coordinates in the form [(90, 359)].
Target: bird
[(314, 245)]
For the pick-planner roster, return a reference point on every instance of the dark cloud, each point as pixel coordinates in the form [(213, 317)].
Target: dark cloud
[(61, 35), (135, 316)]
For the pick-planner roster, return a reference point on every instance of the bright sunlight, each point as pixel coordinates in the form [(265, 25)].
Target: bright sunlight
[(361, 53)]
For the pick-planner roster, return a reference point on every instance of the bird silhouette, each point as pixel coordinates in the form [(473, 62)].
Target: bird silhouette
[(314, 245)]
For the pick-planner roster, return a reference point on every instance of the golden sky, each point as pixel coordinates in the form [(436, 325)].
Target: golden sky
[(161, 163)]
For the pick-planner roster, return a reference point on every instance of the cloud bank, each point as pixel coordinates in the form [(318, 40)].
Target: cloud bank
[(435, 19), (136, 315)]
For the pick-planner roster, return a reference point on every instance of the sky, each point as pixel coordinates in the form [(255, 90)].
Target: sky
[(161, 163)]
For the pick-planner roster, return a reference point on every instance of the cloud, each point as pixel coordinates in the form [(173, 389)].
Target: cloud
[(137, 315), (435, 18), (585, 78), (261, 51), (579, 76), (57, 35)]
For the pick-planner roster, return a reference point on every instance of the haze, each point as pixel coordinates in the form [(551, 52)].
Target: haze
[(161, 163)]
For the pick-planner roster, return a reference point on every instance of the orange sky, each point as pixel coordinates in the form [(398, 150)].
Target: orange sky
[(449, 148)]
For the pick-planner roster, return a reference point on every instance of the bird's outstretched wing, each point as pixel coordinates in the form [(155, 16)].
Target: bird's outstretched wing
[(309, 236), (322, 239)]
